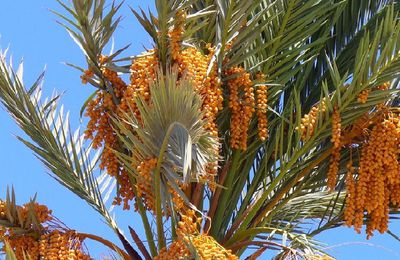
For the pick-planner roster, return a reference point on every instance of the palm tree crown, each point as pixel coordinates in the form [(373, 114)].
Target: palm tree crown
[(250, 125)]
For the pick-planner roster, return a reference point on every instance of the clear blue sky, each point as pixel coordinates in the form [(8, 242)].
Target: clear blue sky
[(31, 32)]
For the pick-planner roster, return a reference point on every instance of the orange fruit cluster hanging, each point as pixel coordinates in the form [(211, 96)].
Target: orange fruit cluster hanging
[(2, 216), (100, 129), (206, 247), (144, 184), (143, 72), (87, 74), (39, 243), (193, 65), (175, 34), (189, 224), (310, 120), (335, 156), (54, 245), (242, 105), (384, 86), (24, 245), (262, 99), (41, 212), (363, 96), (61, 245), (177, 250), (378, 183), (189, 238), (197, 67), (105, 104), (351, 193)]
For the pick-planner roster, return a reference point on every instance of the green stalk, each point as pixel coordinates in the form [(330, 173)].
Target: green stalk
[(157, 187), (145, 220), (147, 228), (285, 20), (237, 188), (173, 228), (219, 214)]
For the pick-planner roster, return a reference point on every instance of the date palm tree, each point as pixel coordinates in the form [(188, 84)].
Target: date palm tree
[(250, 125)]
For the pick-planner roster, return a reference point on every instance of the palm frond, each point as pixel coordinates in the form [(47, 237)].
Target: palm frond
[(298, 165), (356, 18), (173, 117), (91, 26), (65, 154), (281, 39)]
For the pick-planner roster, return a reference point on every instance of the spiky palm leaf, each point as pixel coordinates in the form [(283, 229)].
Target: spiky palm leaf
[(63, 152), (171, 118), (66, 155)]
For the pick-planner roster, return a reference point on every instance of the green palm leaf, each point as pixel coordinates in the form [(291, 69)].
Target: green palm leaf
[(64, 154)]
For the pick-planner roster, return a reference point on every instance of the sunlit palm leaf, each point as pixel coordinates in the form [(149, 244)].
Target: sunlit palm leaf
[(173, 113), (64, 153)]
